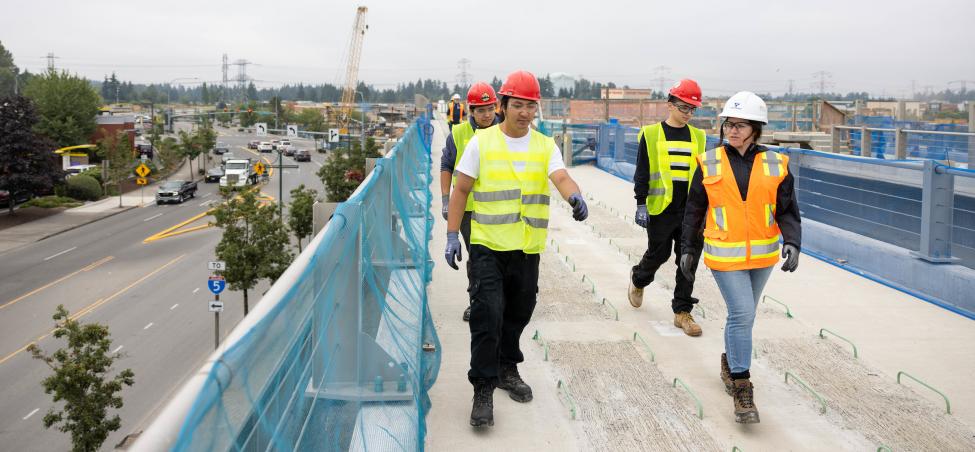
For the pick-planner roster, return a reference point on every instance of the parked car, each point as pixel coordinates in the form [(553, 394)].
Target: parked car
[(221, 148), (214, 174), (265, 147), (5, 198), (287, 149), (175, 191), (302, 155), (253, 144)]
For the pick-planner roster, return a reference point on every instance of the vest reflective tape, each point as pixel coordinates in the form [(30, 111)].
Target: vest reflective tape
[(462, 134), (492, 196), (668, 161), (655, 176), (712, 163), (657, 192), (540, 223), (535, 199), (719, 218), (725, 252), (506, 218), (768, 248), (771, 164), (769, 214)]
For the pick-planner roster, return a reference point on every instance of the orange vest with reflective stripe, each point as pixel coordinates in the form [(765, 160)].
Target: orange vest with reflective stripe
[(741, 235)]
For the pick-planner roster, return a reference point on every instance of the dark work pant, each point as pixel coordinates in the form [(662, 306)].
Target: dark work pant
[(663, 236), (503, 288), (465, 232)]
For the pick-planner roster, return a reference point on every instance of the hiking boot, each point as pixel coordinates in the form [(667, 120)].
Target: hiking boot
[(510, 381), (729, 386), (685, 321), (467, 314), (745, 411), (635, 294), (482, 412)]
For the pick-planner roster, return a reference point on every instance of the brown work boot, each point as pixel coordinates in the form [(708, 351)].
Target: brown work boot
[(685, 321), (729, 386), (744, 396), (635, 294)]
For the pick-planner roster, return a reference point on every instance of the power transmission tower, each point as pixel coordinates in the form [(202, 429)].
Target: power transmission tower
[(824, 81), (463, 78), (242, 77), (662, 78), (223, 84), (962, 83), (50, 61), (791, 86)]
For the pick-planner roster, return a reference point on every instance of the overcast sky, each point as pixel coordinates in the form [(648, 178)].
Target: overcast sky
[(864, 45)]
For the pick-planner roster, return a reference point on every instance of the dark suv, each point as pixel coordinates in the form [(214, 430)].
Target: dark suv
[(175, 191), (302, 155)]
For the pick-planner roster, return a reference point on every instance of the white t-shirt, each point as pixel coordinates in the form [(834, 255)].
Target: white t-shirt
[(470, 162)]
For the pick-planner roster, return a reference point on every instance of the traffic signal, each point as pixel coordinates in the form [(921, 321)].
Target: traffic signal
[(250, 110)]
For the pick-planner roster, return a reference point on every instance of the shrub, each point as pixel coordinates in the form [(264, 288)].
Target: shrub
[(84, 187), (49, 202), (95, 173)]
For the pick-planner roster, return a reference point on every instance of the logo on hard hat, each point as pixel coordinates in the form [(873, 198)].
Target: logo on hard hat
[(737, 106), (485, 97)]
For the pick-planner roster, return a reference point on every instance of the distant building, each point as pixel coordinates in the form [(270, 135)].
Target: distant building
[(562, 81), (109, 125), (625, 93)]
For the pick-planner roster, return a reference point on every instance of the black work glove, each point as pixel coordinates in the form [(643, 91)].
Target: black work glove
[(791, 255), (686, 265), (579, 209)]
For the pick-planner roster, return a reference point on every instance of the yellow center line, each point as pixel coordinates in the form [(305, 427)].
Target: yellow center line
[(90, 308), (90, 266)]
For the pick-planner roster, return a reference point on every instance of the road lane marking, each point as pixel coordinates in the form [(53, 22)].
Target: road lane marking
[(117, 349), (173, 306), (88, 309), (147, 326), (65, 251), (153, 217), (206, 203), (207, 195), (196, 290), (31, 413), (91, 266)]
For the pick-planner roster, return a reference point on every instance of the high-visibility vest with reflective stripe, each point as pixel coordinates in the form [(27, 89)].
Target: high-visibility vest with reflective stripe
[(511, 194), (741, 235), (450, 111), (462, 134), (661, 191)]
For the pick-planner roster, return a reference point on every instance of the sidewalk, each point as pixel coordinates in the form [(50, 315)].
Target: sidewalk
[(50, 225)]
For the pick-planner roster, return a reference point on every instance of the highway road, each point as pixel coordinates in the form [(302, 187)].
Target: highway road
[(152, 296)]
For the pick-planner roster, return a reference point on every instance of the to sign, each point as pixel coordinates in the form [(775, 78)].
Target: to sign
[(142, 170), (292, 130), (141, 181), (216, 306), (259, 168), (333, 135), (261, 129), (216, 265), (216, 284)]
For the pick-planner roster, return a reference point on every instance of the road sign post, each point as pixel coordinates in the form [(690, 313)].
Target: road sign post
[(333, 135), (142, 170), (216, 284)]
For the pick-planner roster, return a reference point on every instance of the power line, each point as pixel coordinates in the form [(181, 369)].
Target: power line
[(463, 78), (50, 61)]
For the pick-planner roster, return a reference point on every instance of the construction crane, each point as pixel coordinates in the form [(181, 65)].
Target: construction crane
[(359, 28)]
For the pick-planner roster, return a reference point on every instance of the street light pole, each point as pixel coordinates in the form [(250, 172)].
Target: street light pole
[(362, 123)]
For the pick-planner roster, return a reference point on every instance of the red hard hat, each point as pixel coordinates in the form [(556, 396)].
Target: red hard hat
[(687, 91), (523, 85), (481, 94)]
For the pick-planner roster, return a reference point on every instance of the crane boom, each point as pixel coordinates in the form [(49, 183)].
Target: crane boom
[(352, 67)]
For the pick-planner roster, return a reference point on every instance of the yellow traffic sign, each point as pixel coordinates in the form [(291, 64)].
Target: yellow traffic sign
[(259, 168), (141, 181), (142, 170)]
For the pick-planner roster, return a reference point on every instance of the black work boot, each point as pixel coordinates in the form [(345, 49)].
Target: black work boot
[(729, 386), (745, 410), (467, 314), (511, 381), (482, 412)]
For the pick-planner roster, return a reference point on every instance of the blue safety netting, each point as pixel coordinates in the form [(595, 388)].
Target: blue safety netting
[(344, 359), (933, 146)]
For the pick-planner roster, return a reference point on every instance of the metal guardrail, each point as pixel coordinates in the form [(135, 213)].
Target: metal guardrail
[(842, 138)]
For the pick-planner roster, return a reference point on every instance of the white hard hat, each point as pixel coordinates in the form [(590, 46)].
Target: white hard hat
[(455, 97), (746, 105)]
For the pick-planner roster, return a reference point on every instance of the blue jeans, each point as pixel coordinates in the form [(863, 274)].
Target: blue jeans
[(741, 290)]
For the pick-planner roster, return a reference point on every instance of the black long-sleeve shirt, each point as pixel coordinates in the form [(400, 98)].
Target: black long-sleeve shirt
[(449, 157), (641, 176), (786, 203)]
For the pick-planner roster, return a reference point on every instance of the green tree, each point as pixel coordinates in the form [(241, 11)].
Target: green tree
[(81, 381), (205, 94), (168, 153), (27, 163), (254, 243), (191, 145), (300, 212), (311, 120), (8, 73), (118, 151), (67, 106), (345, 170)]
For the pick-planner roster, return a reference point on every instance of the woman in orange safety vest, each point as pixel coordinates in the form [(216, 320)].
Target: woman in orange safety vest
[(744, 198)]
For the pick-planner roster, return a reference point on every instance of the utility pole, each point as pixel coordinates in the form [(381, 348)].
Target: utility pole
[(280, 167), (223, 83)]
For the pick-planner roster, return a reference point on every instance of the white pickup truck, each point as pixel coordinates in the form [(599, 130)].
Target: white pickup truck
[(238, 173)]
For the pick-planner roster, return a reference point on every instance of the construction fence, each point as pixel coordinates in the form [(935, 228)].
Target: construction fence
[(341, 351)]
